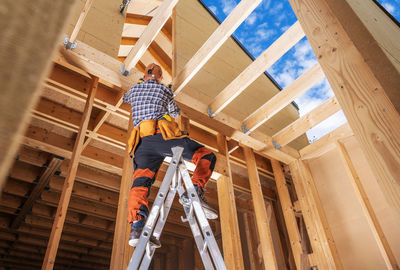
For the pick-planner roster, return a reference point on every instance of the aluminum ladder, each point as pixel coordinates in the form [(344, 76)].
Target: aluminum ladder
[(177, 179)]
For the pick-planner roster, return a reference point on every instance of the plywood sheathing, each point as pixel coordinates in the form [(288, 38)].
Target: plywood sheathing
[(193, 27), (354, 240), (102, 27)]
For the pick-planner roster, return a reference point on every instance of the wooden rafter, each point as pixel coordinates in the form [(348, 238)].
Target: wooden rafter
[(58, 225), (213, 43), (163, 13), (283, 98), (283, 44), (306, 122), (80, 21)]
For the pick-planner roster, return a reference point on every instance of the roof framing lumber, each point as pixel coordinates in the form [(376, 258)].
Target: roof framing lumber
[(21, 57), (192, 107), (80, 21), (306, 122), (262, 220), (360, 89), (366, 206), (164, 11), (43, 181), (283, 98), (213, 43), (283, 44), (54, 240)]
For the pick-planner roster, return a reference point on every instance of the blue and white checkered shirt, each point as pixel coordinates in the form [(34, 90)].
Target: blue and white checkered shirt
[(151, 100)]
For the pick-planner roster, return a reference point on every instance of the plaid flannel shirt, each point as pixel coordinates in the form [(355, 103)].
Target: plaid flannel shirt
[(151, 100)]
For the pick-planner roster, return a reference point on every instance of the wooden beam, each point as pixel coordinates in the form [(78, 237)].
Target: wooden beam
[(284, 97), (164, 11), (255, 69), (80, 21), (306, 122), (56, 231), (326, 143), (228, 215), (369, 212), (23, 66), (213, 43), (121, 224), (137, 19), (263, 225), (359, 89), (43, 181), (288, 212), (324, 249)]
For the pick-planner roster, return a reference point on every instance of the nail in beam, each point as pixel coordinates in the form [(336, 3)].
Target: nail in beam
[(61, 213)]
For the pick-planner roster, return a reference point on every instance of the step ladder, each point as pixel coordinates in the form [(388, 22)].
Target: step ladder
[(177, 179)]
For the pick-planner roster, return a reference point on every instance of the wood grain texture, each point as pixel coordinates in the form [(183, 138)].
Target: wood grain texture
[(283, 44), (288, 213), (23, 65), (55, 236), (80, 21), (324, 254), (361, 94), (264, 229), (214, 42)]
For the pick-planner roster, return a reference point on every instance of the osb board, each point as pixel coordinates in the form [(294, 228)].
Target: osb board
[(102, 27), (194, 25), (353, 237)]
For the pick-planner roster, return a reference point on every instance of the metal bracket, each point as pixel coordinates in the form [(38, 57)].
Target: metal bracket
[(69, 45), (276, 145), (210, 113), (245, 130), (123, 70)]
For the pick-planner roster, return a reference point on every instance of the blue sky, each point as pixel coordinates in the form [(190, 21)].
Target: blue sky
[(267, 22)]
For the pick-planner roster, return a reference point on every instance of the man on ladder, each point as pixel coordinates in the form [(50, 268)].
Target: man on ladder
[(151, 140)]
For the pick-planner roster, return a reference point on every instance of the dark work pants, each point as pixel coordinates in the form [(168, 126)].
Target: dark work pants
[(149, 156)]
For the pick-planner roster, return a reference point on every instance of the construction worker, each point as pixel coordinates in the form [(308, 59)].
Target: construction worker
[(152, 138)]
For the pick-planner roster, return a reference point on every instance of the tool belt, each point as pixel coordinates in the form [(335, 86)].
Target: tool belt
[(168, 129)]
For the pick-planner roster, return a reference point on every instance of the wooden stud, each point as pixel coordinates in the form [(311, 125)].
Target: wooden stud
[(359, 88), (214, 42), (264, 230), (284, 97), (255, 69), (80, 21), (56, 231), (369, 212), (164, 11), (43, 181), (288, 213), (121, 223), (306, 122), (324, 249), (228, 214), (24, 65)]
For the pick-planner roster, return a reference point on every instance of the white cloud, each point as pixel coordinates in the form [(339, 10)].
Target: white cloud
[(228, 6), (389, 7), (264, 34), (251, 19), (213, 9)]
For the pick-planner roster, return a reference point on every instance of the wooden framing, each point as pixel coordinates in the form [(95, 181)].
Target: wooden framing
[(366, 206), (252, 72), (80, 21), (19, 95), (58, 225), (264, 230), (359, 89), (214, 42)]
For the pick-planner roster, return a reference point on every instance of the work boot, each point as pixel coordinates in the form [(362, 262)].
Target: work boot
[(136, 231), (208, 210)]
